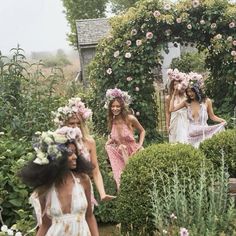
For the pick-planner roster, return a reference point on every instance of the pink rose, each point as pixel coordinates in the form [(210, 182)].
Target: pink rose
[(234, 42), (156, 13), (149, 35), (233, 53)]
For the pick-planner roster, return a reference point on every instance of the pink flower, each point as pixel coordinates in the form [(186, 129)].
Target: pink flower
[(202, 22), (116, 54), (149, 35), (233, 53), (213, 25), (195, 3), (134, 32), (138, 42), (167, 7), (156, 13), (137, 113), (230, 38), (129, 78), (179, 20), (234, 42), (128, 55), (231, 25), (183, 232), (136, 89), (189, 26), (128, 42), (109, 71)]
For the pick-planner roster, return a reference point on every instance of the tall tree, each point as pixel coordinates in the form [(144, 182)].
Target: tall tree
[(121, 5), (82, 9)]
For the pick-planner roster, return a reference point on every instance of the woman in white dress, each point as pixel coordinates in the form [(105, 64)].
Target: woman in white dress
[(177, 121), (62, 196)]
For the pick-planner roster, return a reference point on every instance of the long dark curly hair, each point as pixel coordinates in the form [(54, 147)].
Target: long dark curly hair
[(35, 175), (125, 111), (200, 95)]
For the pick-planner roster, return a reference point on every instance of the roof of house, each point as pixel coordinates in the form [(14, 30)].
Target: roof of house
[(90, 31)]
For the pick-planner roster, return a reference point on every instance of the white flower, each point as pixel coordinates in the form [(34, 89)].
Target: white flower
[(195, 3), (167, 7), (231, 25), (234, 42), (233, 53), (1, 133), (156, 13), (18, 234), (109, 71), (218, 36), (136, 89), (128, 42), (116, 54), (202, 22), (213, 25), (179, 20), (173, 216), (189, 26), (10, 232), (230, 38), (138, 42), (128, 55), (4, 228), (164, 231), (137, 113), (129, 78)]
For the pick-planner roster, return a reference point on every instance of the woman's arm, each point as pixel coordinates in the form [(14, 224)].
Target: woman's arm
[(211, 114), (46, 221), (177, 107), (97, 176), (135, 124), (90, 218), (167, 108)]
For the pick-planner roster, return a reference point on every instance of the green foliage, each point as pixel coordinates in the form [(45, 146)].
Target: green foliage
[(14, 194), (80, 9), (223, 142), (105, 211), (27, 96), (156, 24), (121, 5), (188, 62), (134, 201), (202, 205)]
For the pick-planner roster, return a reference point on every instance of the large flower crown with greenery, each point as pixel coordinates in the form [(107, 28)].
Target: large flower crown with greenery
[(117, 93), (49, 145), (74, 106)]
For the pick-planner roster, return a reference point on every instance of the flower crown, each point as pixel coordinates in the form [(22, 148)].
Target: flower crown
[(50, 145), (75, 106), (117, 93)]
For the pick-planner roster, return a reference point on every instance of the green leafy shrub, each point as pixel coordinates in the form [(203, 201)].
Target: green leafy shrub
[(134, 200), (222, 142), (13, 194), (201, 205), (105, 211)]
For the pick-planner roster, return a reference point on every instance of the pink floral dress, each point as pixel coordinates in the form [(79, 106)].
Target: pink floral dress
[(199, 130), (123, 145)]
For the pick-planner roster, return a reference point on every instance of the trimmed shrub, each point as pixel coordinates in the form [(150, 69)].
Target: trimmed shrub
[(134, 200), (224, 142)]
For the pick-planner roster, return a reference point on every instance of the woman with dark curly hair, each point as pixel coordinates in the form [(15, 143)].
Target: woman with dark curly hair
[(62, 190), (121, 144), (199, 108)]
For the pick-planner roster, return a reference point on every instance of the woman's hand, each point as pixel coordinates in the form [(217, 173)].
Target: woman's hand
[(107, 198)]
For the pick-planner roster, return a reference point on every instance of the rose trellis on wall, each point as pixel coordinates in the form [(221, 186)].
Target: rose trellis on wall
[(125, 58)]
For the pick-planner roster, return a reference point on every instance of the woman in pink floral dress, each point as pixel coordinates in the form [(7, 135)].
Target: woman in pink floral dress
[(121, 144), (199, 108)]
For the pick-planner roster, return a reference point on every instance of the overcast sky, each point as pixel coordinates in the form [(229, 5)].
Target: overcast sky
[(37, 25)]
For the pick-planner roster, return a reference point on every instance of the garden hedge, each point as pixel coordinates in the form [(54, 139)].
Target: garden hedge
[(134, 200), (224, 142)]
